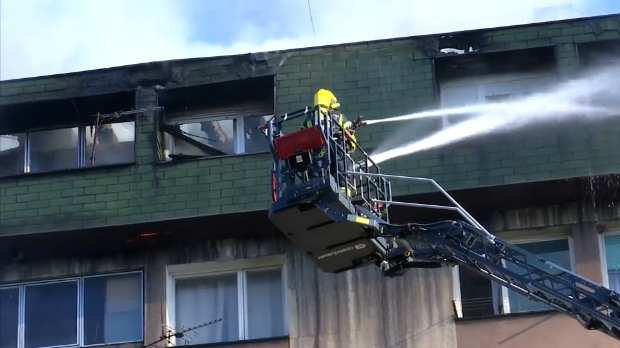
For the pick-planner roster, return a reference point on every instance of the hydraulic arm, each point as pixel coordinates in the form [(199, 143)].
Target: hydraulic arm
[(339, 235)]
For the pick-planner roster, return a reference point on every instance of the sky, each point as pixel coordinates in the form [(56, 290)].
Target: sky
[(45, 37)]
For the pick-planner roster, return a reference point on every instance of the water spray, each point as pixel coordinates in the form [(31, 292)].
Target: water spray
[(595, 96), (429, 114)]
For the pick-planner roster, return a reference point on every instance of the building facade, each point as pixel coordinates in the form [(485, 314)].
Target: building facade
[(133, 199)]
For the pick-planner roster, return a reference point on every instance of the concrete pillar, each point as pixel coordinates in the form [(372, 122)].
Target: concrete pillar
[(587, 251), (146, 141)]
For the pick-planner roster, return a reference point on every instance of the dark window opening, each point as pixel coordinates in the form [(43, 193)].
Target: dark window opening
[(216, 119), (477, 64), (50, 317), (599, 53), (65, 134), (477, 295)]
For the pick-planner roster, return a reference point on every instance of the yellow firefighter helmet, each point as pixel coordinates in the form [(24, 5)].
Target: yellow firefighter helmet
[(326, 99)]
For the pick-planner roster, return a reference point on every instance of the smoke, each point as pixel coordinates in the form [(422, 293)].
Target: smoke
[(43, 37)]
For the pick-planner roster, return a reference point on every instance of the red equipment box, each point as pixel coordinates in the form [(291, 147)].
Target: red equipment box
[(301, 141)]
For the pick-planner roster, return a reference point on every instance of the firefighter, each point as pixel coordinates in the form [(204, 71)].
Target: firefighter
[(328, 112)]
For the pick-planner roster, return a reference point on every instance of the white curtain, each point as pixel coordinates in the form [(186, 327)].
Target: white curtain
[(200, 300), (614, 280), (496, 290), (123, 308), (265, 304), (612, 253)]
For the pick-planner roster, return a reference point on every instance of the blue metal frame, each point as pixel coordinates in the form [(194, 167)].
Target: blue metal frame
[(459, 243)]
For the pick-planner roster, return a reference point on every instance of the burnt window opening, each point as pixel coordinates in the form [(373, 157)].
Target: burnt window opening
[(476, 64), (492, 77), (599, 54), (67, 134), (451, 44), (215, 119)]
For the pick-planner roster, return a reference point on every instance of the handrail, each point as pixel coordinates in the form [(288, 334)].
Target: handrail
[(457, 207)]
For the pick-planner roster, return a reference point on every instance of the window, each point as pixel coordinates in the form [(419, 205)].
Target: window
[(94, 310), (611, 261), (12, 154), (112, 143), (67, 148), (53, 150), (481, 297), (250, 301), (216, 133)]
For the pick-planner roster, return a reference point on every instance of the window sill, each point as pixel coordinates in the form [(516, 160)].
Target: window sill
[(137, 344), (68, 171), (240, 344), (210, 158), (508, 315)]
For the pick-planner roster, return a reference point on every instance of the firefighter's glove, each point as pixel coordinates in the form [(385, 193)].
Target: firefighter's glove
[(359, 122)]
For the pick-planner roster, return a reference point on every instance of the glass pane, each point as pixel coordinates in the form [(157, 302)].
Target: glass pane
[(113, 309), (255, 140), (51, 314), (265, 304), (201, 300), (9, 307), (201, 136), (53, 150), (555, 251), (612, 258), (12, 154), (115, 144)]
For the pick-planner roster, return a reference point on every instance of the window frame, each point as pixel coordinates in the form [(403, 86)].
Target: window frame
[(81, 146), (603, 254), (21, 286), (215, 268), (237, 115), (505, 300)]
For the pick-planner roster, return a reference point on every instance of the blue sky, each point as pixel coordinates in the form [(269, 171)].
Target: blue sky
[(43, 37)]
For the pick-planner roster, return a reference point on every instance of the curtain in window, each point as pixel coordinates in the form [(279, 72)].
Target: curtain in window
[(265, 304), (614, 280), (201, 300), (612, 256)]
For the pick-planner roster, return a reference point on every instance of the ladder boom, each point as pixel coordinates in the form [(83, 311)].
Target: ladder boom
[(459, 243)]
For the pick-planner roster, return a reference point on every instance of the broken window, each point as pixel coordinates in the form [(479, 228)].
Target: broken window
[(67, 148), (12, 154), (215, 133), (63, 134), (52, 150), (109, 143)]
